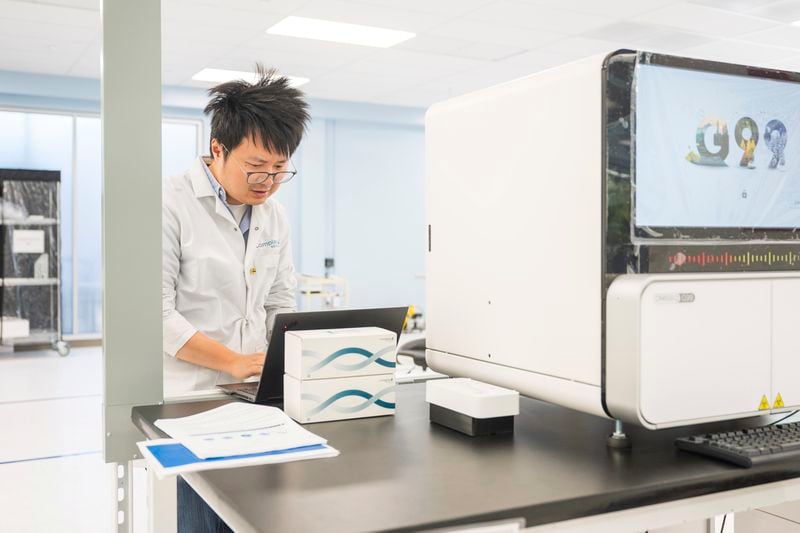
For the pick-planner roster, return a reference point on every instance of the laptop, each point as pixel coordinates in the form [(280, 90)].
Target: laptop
[(269, 389)]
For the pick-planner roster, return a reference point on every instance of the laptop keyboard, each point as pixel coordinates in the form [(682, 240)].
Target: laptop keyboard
[(250, 387)]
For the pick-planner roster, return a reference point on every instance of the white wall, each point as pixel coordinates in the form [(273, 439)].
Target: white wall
[(312, 186), (358, 198), (379, 212)]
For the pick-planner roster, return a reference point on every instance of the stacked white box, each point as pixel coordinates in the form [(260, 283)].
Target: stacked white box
[(338, 374), (323, 400)]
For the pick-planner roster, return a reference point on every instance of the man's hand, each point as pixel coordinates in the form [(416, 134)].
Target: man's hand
[(200, 350), (246, 365)]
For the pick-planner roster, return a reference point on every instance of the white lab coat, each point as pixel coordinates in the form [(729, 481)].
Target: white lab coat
[(211, 283)]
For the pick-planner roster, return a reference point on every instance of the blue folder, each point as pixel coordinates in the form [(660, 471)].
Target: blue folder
[(176, 454)]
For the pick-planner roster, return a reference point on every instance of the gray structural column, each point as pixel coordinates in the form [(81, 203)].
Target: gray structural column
[(131, 124)]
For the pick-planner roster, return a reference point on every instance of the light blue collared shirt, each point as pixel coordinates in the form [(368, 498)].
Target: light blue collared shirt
[(244, 225)]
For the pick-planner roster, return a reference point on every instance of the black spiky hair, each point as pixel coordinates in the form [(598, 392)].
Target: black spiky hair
[(268, 110)]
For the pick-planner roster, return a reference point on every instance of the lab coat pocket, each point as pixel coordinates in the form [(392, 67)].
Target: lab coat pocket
[(267, 267)]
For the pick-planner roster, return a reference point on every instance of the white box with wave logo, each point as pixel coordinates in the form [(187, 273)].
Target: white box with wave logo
[(324, 400), (339, 353)]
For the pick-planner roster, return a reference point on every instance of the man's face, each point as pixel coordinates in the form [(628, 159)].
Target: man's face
[(231, 171)]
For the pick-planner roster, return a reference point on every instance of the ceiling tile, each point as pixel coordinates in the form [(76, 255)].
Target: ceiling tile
[(181, 66), (461, 45), (283, 7), (450, 8), (647, 37), (390, 17), (40, 62), (704, 20), (608, 8), (176, 50), (488, 51), (738, 6), (470, 81), (620, 31), (433, 44), (539, 17), (48, 13), (422, 96), (573, 48), (670, 41), (485, 32), (411, 99), (92, 51), (61, 53), (86, 69), (174, 78), (460, 48), (782, 36), (785, 11), (93, 5), (189, 32), (186, 63), (355, 87), (740, 52), (411, 65), (312, 48), (532, 62), (307, 58), (427, 93), (189, 12), (242, 59), (47, 31)]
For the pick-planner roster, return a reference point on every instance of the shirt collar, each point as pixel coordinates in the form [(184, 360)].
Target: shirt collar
[(244, 224), (218, 189)]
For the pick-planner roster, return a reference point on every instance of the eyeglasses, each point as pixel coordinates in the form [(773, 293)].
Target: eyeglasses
[(254, 178)]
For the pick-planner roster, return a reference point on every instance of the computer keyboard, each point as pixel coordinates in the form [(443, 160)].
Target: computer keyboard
[(249, 387), (748, 447)]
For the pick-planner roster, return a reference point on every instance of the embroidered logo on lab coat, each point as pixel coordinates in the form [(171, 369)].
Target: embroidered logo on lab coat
[(271, 243)]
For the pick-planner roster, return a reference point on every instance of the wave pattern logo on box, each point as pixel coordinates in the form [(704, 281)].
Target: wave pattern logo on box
[(369, 400), (349, 367)]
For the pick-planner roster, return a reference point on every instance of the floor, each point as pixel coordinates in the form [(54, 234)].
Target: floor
[(52, 475)]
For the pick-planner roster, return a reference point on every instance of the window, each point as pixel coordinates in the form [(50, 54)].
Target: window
[(71, 143)]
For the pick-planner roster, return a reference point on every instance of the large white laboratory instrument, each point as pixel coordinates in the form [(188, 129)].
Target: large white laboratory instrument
[(618, 235)]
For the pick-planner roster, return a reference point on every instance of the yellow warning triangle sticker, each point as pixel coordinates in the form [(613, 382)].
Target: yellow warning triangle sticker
[(764, 403), (778, 401)]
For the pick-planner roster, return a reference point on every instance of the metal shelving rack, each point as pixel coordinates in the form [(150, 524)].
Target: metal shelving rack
[(30, 255)]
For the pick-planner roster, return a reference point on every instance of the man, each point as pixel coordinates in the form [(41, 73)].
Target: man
[(227, 259)]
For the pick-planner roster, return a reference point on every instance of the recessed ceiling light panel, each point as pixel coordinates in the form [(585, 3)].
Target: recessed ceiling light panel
[(339, 32), (217, 75)]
